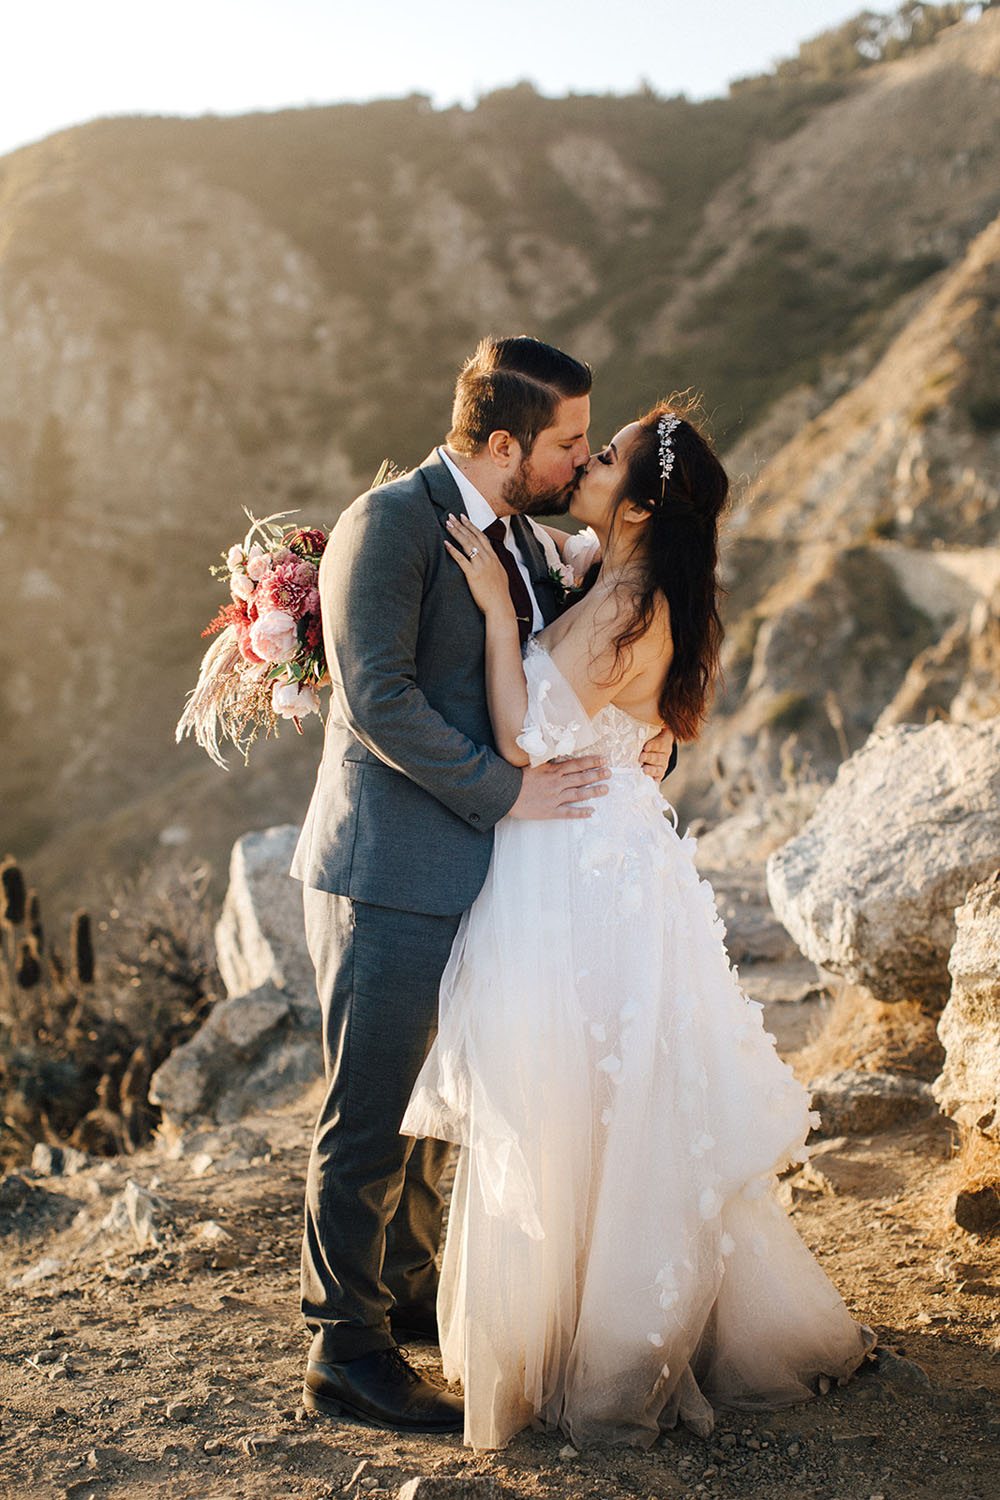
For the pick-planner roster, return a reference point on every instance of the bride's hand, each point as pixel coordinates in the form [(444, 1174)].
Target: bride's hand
[(484, 572), (656, 753)]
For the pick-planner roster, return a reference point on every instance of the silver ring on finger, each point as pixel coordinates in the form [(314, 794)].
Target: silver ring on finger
[(474, 552)]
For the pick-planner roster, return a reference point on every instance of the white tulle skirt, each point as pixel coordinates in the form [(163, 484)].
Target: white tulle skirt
[(616, 1258)]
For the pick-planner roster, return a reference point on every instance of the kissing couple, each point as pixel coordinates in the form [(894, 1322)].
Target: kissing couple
[(514, 953)]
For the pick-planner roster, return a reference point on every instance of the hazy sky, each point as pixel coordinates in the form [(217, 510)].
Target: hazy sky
[(66, 61)]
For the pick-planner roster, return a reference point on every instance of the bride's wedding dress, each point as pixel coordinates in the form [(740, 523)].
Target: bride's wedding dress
[(616, 1258)]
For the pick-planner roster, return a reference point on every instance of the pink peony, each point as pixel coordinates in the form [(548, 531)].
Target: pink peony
[(274, 635), (293, 700), (258, 562), (242, 627)]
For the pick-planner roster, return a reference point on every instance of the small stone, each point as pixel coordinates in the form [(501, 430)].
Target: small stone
[(363, 1466), (211, 1233), (794, 1450), (212, 1445), (257, 1444), (568, 1452), (178, 1411), (48, 1266), (977, 1210), (901, 1374), (728, 1440), (58, 1161)]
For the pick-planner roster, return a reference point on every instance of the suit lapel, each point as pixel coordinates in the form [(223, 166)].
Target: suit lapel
[(440, 485), (546, 590)]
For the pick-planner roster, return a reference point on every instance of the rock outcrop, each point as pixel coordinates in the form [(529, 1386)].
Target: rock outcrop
[(958, 677), (260, 1047), (969, 1086), (897, 480), (854, 1102), (869, 887)]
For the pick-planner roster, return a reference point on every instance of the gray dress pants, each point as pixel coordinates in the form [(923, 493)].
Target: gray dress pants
[(373, 1210)]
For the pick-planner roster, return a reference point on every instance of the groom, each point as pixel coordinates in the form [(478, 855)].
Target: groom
[(396, 844)]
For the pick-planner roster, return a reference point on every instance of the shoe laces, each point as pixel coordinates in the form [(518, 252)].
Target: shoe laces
[(399, 1367)]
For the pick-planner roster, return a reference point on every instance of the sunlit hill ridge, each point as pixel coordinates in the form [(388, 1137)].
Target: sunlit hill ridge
[(203, 315)]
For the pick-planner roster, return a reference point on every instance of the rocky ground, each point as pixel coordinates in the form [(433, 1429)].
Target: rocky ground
[(151, 1346)]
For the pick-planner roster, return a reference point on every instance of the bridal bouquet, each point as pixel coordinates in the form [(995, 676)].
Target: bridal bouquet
[(268, 661)]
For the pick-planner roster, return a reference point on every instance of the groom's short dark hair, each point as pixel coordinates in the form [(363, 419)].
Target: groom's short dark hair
[(512, 385)]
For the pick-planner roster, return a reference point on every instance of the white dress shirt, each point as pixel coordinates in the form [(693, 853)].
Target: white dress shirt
[(482, 514)]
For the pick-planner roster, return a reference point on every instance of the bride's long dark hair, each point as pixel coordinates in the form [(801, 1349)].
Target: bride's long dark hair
[(678, 558)]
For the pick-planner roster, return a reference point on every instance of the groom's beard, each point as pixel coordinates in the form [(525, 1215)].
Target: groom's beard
[(524, 496)]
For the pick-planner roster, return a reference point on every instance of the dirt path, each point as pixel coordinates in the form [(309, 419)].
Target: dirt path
[(174, 1370)]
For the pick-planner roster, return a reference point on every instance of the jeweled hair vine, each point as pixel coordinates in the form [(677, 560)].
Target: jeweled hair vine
[(666, 427)]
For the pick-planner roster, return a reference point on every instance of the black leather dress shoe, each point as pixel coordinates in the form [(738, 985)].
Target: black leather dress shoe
[(381, 1390), (414, 1323)]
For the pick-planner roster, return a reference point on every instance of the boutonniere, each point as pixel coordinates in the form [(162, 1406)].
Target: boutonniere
[(564, 578)]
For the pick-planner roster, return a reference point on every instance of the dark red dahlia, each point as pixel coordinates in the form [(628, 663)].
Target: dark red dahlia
[(307, 542)]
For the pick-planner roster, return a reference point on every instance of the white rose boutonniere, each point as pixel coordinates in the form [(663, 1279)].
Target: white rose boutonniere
[(568, 568)]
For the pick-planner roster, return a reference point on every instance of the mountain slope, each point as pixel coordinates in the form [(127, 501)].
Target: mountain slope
[(204, 314)]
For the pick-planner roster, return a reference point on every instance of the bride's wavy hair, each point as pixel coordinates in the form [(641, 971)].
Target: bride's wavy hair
[(678, 558)]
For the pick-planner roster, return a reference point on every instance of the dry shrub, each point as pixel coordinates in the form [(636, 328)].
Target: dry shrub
[(967, 1194), (80, 1039), (861, 1032), (977, 1162)]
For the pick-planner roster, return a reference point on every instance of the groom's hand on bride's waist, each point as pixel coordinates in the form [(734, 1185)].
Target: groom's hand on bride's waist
[(561, 789)]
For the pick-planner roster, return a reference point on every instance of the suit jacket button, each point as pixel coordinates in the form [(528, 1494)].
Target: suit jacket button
[(473, 817)]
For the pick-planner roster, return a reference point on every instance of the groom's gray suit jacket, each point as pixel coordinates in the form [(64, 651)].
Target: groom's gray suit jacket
[(410, 784)]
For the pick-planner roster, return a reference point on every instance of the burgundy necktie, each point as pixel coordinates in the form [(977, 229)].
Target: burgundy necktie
[(523, 607)]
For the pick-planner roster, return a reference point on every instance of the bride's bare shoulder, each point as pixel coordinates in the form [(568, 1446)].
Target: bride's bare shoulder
[(619, 615)]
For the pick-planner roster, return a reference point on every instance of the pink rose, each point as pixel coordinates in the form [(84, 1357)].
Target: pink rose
[(293, 700), (235, 557), (274, 636)]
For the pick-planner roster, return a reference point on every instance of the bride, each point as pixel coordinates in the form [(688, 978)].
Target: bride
[(616, 1258)]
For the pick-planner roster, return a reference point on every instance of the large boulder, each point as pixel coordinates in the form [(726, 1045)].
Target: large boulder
[(869, 887), (260, 936), (261, 1047), (969, 1086)]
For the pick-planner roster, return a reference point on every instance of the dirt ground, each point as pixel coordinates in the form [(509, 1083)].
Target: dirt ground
[(174, 1369)]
